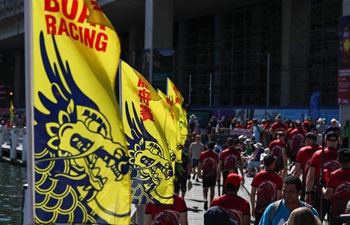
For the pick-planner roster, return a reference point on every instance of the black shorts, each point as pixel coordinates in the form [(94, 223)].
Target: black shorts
[(180, 185), (209, 182)]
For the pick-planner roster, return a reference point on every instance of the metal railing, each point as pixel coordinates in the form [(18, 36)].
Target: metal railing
[(10, 8)]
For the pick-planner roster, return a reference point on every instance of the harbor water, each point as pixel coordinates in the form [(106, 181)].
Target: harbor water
[(12, 178)]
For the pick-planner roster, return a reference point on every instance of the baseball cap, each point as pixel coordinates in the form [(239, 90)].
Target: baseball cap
[(234, 179), (218, 216), (333, 120), (310, 136), (332, 136), (268, 160), (344, 155), (258, 145), (280, 133)]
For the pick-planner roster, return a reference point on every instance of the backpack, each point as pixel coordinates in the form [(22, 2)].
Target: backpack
[(298, 143), (266, 193), (209, 168), (276, 205), (230, 163)]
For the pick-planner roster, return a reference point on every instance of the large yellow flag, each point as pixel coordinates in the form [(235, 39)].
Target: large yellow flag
[(144, 113), (81, 161), (175, 95), (172, 131)]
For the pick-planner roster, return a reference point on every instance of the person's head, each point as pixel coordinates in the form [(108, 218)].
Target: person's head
[(278, 117), (280, 135), (258, 145), (255, 121), (198, 138), (332, 139), (334, 122), (233, 182), (344, 157), (298, 123), (310, 138), (218, 141), (211, 145), (229, 142), (269, 161), (218, 216), (291, 189), (303, 216), (210, 137)]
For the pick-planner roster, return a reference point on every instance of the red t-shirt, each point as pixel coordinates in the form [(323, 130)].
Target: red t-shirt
[(304, 157), (167, 214), (339, 180), (266, 182), (276, 150), (235, 205), (209, 160), (230, 157), (278, 126), (330, 163)]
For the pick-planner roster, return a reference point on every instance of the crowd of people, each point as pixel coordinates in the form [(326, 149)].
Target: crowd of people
[(298, 170)]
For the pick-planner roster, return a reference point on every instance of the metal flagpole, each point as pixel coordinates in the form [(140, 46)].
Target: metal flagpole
[(29, 56), (322, 175)]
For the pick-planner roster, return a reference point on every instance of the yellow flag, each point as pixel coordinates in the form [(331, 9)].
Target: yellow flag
[(81, 160), (175, 95), (172, 131), (144, 113)]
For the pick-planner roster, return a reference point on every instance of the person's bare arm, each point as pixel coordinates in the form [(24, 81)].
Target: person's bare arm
[(148, 219), (218, 172), (241, 170), (327, 192), (252, 200), (246, 220), (183, 218), (310, 178), (200, 170), (297, 169)]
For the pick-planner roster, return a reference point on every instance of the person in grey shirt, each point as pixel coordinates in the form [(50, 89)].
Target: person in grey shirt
[(320, 128), (195, 150)]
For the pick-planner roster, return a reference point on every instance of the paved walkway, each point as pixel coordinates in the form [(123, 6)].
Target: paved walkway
[(195, 203)]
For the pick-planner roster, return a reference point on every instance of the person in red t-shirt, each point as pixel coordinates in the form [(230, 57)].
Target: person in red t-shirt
[(207, 168), (330, 164), (338, 187), (162, 214), (302, 162), (278, 126), (237, 207), (230, 160), (296, 140), (267, 186), (278, 149)]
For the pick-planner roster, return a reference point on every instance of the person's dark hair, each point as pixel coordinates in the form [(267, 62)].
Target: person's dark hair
[(218, 141), (231, 188), (291, 179)]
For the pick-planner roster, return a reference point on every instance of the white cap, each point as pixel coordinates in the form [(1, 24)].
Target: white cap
[(333, 120)]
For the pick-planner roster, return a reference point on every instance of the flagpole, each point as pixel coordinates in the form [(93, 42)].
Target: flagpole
[(28, 31), (120, 89)]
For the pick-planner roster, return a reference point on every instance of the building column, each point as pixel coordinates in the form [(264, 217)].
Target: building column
[(17, 78), (182, 76), (219, 48), (344, 109), (295, 39), (135, 43), (158, 35)]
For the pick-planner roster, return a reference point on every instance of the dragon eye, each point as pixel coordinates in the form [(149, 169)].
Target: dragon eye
[(147, 161)]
